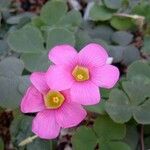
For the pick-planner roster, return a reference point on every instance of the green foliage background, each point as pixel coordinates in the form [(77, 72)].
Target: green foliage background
[(122, 120)]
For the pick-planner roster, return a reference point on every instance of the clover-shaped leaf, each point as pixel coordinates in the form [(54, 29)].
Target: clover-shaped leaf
[(107, 130), (100, 13), (118, 106), (21, 129), (132, 136), (11, 70), (71, 20), (24, 84), (53, 11), (36, 62), (106, 133), (56, 36), (26, 40), (135, 101), (124, 54), (84, 135), (98, 108), (103, 32), (121, 23), (122, 38), (116, 52), (138, 68), (130, 54), (113, 4)]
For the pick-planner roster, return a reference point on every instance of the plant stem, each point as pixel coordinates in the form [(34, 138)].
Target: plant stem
[(27, 140), (139, 19), (142, 137)]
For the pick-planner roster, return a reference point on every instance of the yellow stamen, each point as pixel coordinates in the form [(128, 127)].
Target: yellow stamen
[(80, 73), (53, 99)]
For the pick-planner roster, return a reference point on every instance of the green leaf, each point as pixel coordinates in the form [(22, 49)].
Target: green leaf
[(110, 133), (137, 90), (40, 144), (142, 113), (98, 108), (53, 11), (140, 10), (10, 96), (115, 146), (105, 93), (133, 102), (11, 69), (1, 144), (146, 45), (72, 18), (100, 13), (17, 18), (24, 83), (107, 130), (132, 136), (122, 38), (138, 68), (130, 54), (116, 52), (56, 36), (36, 62), (26, 40), (113, 4), (102, 32), (84, 139), (21, 129), (121, 23), (82, 38), (37, 22), (118, 106)]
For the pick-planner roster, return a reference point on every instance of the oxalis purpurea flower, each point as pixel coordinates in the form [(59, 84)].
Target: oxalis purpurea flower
[(83, 73), (55, 108)]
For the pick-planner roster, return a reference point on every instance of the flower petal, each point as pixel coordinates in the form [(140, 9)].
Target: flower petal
[(32, 101), (93, 55), (62, 54), (39, 81), (45, 125), (105, 76), (86, 93), (70, 114), (59, 78)]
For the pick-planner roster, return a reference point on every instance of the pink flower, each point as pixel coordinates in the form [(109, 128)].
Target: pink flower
[(55, 108), (81, 72)]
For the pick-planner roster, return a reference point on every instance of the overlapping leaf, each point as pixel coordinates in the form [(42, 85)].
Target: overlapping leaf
[(100, 13), (134, 100), (21, 129), (105, 133), (11, 70)]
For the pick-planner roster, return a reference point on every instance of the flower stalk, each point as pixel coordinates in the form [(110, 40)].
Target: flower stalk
[(28, 140), (139, 19)]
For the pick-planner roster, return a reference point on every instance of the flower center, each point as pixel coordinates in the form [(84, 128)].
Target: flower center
[(53, 99), (80, 73)]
